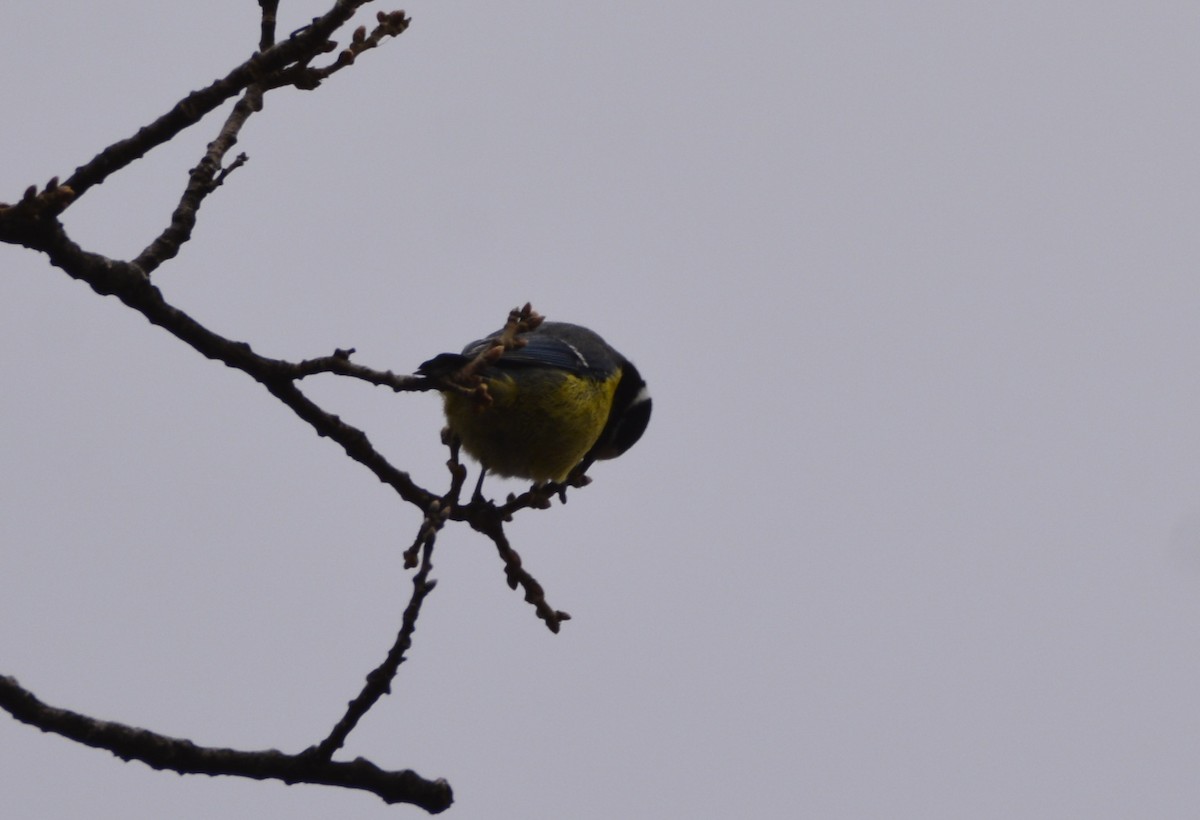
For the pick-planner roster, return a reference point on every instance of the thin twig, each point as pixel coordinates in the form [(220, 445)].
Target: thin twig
[(379, 680), (339, 363), (205, 178), (484, 518), (266, 37)]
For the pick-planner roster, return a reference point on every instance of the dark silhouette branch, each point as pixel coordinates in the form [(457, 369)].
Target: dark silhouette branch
[(263, 67), (379, 680), (339, 363), (208, 175), (129, 284), (388, 24), (488, 519), (162, 752), (270, 10), (205, 178)]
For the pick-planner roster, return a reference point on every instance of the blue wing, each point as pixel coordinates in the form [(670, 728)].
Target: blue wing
[(554, 345), (540, 350)]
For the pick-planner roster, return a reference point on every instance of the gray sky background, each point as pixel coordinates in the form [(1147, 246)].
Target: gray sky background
[(914, 532)]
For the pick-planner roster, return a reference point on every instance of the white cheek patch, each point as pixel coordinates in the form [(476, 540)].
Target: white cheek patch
[(643, 396)]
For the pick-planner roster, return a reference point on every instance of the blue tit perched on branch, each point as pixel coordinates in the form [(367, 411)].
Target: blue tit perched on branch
[(541, 400)]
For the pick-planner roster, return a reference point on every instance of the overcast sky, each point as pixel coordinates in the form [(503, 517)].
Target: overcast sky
[(914, 531)]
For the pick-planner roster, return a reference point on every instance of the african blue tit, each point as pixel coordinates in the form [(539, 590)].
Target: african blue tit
[(554, 403)]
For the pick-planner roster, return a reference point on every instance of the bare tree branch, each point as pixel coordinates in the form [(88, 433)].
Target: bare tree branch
[(340, 364), (298, 50), (205, 178), (379, 680), (162, 752), (34, 222), (488, 519)]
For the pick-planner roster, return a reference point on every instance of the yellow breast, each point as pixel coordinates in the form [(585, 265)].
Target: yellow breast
[(539, 431)]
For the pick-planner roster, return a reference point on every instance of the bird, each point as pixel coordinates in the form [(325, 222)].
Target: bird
[(540, 400)]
